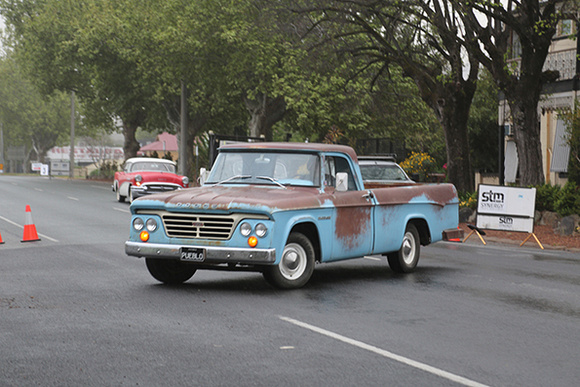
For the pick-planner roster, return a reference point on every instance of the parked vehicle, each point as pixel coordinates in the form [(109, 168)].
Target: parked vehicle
[(381, 170), (144, 176), (277, 208)]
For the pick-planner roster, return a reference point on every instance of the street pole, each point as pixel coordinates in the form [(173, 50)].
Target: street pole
[(183, 143), (72, 136), (1, 147)]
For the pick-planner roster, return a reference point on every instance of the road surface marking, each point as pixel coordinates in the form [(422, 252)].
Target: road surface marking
[(39, 189), (22, 227), (121, 210), (387, 354), (71, 198)]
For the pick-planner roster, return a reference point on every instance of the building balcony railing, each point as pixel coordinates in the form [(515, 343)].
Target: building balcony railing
[(562, 61)]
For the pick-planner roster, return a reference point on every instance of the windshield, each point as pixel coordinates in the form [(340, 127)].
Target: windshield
[(152, 166), (260, 167), (388, 172)]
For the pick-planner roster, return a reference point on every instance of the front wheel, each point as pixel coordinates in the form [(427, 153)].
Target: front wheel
[(120, 198), (296, 265), (405, 260), (169, 271)]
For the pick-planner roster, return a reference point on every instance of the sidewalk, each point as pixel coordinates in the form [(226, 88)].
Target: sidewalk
[(546, 235)]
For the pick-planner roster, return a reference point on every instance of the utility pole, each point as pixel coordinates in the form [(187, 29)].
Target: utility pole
[(72, 136), (1, 147), (183, 143)]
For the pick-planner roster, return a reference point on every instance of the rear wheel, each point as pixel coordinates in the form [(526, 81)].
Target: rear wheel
[(169, 271), (296, 265), (405, 260)]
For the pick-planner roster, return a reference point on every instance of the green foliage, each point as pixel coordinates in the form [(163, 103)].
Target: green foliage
[(30, 119), (568, 202), (572, 120), (546, 196), (467, 199)]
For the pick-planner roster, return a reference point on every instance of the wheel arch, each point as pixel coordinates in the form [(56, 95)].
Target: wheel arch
[(423, 228), (310, 230)]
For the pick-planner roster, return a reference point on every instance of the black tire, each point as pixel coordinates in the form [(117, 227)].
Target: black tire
[(405, 260), (169, 271), (296, 266), (120, 198)]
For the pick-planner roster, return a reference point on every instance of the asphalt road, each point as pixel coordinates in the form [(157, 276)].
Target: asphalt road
[(75, 310)]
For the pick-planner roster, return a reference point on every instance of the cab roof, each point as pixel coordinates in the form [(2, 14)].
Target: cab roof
[(289, 146)]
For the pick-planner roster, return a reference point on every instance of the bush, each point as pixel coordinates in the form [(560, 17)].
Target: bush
[(467, 199), (420, 164), (546, 196), (568, 201)]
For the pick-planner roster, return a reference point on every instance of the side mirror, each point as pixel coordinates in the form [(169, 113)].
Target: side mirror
[(341, 182)]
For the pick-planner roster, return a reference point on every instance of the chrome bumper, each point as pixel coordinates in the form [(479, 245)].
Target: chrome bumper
[(212, 254)]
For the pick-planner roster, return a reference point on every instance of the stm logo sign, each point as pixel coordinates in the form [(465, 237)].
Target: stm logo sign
[(492, 200), (492, 197)]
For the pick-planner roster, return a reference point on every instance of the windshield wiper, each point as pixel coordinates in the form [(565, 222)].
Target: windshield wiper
[(272, 180), (233, 178)]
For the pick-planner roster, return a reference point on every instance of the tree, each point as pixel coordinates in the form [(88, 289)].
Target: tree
[(421, 38), (522, 30), (30, 119)]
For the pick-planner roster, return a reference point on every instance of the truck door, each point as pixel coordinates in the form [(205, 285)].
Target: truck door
[(353, 217)]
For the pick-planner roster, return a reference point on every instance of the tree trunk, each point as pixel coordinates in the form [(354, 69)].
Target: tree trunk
[(264, 112), (131, 145), (454, 121), (528, 143), (451, 103)]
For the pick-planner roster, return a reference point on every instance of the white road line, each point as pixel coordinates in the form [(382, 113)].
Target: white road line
[(72, 198), (99, 187), (22, 227), (39, 189), (121, 210), (401, 359)]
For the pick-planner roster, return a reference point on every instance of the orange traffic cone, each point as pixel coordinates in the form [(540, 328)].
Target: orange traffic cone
[(30, 234), (1, 241)]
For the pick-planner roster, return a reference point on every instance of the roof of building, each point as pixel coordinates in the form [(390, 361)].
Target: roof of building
[(165, 142)]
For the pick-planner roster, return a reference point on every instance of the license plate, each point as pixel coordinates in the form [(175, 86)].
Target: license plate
[(192, 255)]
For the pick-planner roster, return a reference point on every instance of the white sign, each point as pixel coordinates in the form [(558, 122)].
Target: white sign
[(506, 208), (44, 170), (36, 167)]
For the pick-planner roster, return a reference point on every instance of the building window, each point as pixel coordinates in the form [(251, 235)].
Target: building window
[(566, 28)]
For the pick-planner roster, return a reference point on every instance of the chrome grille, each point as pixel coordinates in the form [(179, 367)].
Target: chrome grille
[(198, 226)]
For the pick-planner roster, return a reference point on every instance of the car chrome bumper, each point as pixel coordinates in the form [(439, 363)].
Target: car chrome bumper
[(212, 254)]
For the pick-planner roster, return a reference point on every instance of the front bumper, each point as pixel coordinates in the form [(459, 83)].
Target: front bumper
[(212, 254)]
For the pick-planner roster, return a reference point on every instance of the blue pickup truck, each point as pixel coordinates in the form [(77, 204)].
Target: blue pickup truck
[(279, 208)]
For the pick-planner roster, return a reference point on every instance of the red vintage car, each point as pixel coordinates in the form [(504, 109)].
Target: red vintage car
[(144, 176)]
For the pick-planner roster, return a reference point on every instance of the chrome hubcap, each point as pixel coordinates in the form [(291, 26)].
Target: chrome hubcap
[(293, 263), (408, 248)]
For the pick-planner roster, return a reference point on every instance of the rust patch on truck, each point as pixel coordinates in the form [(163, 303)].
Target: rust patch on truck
[(351, 222), (439, 194)]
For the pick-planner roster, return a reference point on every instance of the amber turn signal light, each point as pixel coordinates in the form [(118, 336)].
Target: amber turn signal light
[(145, 236), (252, 241)]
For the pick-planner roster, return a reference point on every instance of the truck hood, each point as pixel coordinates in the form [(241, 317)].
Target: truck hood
[(255, 198)]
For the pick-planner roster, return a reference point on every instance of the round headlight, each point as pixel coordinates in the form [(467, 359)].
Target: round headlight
[(261, 230), (185, 181), (245, 229), (151, 224), (138, 224), (138, 178)]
